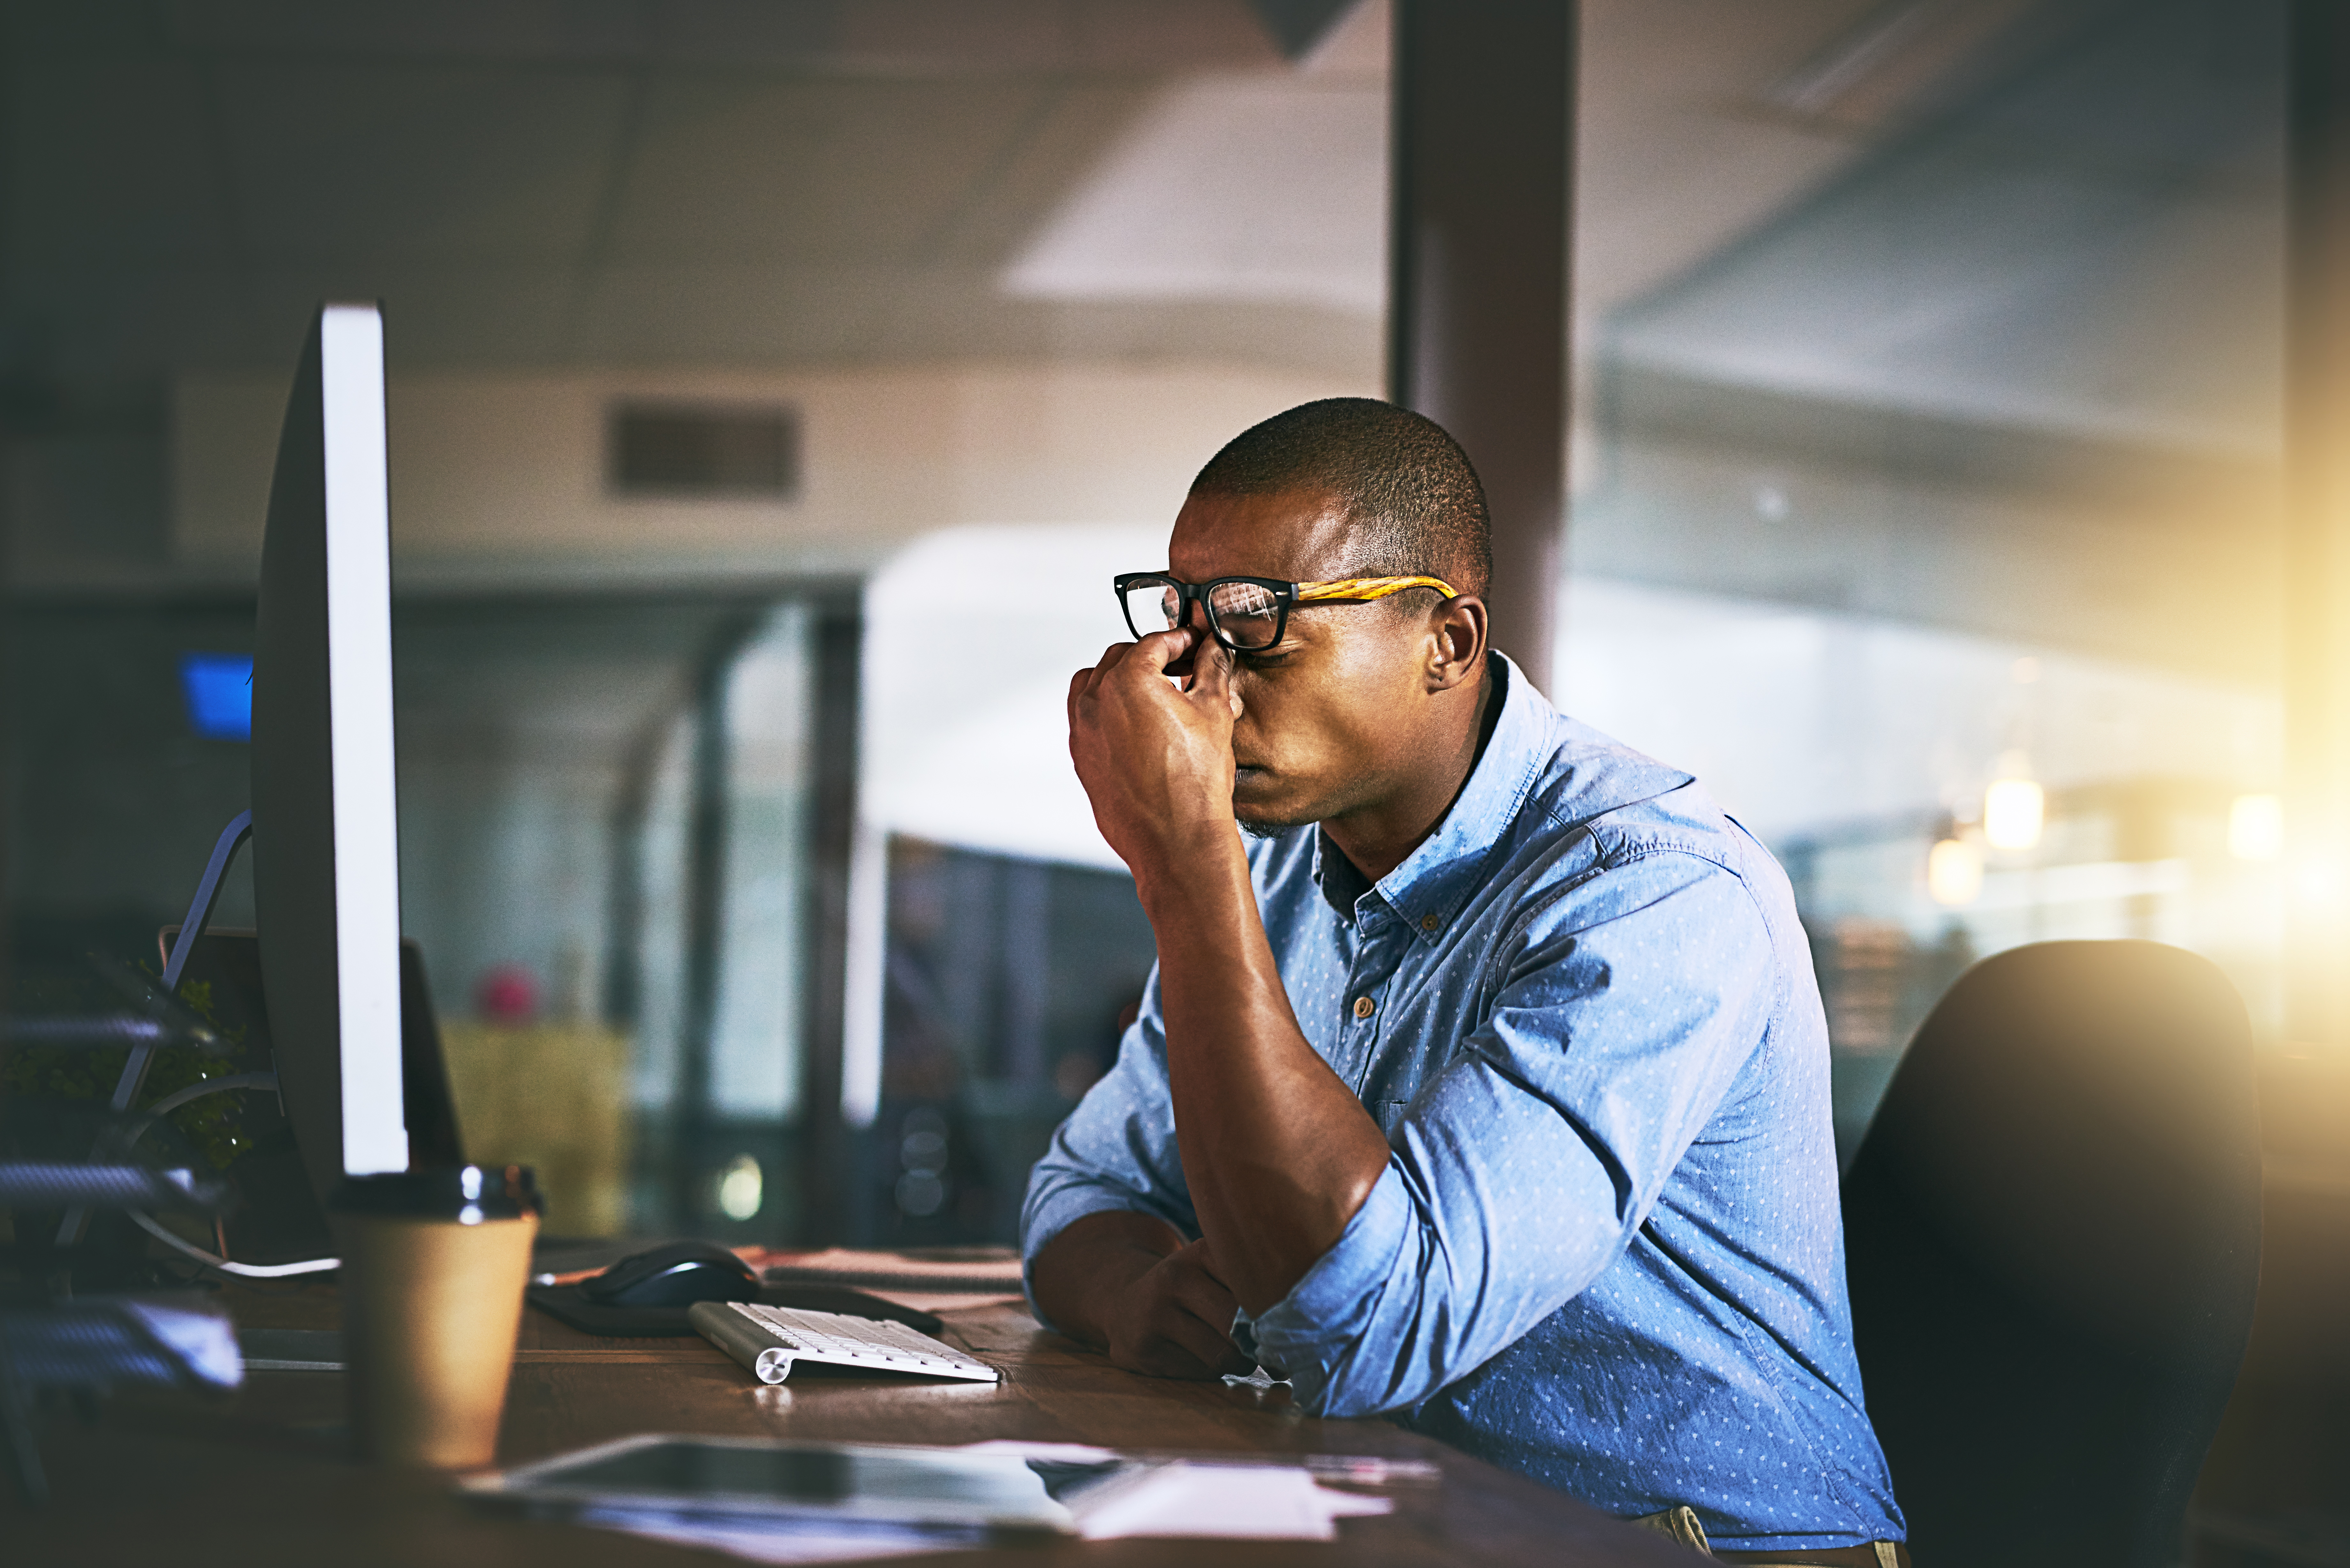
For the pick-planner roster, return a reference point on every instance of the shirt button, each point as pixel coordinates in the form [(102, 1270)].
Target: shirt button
[(1365, 1007), (1428, 922)]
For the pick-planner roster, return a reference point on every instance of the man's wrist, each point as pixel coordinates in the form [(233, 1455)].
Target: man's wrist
[(1188, 859)]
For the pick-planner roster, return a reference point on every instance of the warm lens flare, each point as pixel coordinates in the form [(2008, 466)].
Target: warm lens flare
[(2013, 812), (1954, 872), (2256, 827)]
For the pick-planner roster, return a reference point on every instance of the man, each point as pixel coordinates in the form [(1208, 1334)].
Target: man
[(1486, 1086)]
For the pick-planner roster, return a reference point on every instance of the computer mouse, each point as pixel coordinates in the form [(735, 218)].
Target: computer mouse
[(676, 1275)]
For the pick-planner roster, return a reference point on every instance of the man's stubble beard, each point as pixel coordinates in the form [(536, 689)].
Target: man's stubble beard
[(1266, 826)]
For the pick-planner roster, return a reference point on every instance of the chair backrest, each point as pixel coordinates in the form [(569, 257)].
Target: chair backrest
[(2053, 1245)]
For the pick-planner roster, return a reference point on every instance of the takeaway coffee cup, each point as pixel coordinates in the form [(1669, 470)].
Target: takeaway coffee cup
[(435, 1263)]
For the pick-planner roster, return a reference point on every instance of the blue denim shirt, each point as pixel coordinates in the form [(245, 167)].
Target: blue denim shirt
[(1606, 1250)]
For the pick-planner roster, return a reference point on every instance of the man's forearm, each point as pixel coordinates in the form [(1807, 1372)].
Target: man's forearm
[(1093, 1257), (1277, 1151)]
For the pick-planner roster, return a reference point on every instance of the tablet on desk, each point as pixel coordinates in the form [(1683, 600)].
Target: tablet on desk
[(928, 1487)]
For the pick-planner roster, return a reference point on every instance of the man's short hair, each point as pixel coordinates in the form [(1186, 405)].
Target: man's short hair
[(1415, 504)]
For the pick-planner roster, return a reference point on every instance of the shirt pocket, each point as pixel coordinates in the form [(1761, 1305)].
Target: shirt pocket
[(1389, 1114)]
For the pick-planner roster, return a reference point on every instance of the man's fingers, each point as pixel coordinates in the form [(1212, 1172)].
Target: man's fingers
[(1212, 1344), (1208, 1343), (1113, 657), (1166, 1340), (1200, 1292), (1086, 680), (1180, 1324), (1205, 1297), (1165, 1358), (1211, 672), (1199, 1255), (1215, 1343), (1212, 678), (1159, 650)]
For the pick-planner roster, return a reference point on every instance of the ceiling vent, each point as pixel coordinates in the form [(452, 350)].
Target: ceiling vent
[(702, 449)]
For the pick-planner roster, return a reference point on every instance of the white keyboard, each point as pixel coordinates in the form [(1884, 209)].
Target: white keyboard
[(771, 1340)]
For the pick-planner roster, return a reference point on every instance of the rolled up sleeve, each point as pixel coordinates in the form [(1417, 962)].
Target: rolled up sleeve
[(1116, 1151), (1527, 1164)]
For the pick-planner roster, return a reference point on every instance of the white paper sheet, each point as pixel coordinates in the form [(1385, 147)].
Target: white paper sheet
[(1175, 1498), (1194, 1498), (781, 1541)]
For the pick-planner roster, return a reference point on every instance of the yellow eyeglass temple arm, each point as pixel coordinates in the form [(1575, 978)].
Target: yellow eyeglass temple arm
[(1359, 588)]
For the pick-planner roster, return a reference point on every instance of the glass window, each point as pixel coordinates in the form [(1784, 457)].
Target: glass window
[(1930, 514)]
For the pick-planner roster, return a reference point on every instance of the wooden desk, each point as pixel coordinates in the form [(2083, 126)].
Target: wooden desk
[(261, 1479)]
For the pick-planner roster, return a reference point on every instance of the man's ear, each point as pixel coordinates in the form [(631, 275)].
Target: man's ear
[(1456, 642)]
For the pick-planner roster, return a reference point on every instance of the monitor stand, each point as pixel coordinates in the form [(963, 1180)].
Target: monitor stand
[(142, 1053)]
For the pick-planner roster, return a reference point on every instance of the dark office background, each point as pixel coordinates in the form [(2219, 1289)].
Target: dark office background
[(1926, 368), (1941, 455)]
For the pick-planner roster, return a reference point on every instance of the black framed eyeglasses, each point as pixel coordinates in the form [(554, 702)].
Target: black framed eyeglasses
[(1247, 615)]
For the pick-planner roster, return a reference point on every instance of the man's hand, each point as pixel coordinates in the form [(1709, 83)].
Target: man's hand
[(1277, 1151), (1156, 762), (1132, 1286), (1175, 1320)]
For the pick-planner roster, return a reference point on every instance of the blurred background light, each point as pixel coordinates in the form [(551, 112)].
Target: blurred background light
[(2015, 806), (741, 1188), (2317, 885), (2256, 826), (1954, 872), (219, 691)]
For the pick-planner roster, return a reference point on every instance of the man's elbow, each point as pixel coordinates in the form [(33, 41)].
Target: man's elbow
[(1347, 1381)]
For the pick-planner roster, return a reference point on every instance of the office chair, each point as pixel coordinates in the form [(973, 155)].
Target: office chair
[(2053, 1244)]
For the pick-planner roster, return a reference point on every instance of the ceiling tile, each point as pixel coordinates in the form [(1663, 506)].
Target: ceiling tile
[(735, 171), (479, 162), (416, 29), (942, 313), (2088, 249), (931, 37), (122, 26), (107, 329), (1151, 35), (732, 314), (1034, 35), (1230, 187), (435, 313), (110, 164), (1073, 128)]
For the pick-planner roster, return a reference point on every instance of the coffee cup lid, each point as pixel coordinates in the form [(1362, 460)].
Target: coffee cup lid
[(467, 1194)]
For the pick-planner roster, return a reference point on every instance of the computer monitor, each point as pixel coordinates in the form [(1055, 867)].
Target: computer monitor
[(325, 838), (355, 1070)]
